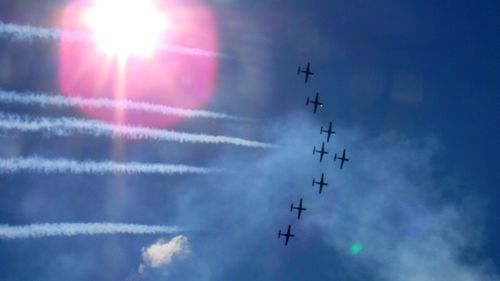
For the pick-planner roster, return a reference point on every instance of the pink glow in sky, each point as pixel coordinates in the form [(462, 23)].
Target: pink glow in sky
[(164, 78)]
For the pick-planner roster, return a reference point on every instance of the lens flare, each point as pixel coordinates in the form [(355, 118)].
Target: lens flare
[(126, 57), (126, 27), (356, 248)]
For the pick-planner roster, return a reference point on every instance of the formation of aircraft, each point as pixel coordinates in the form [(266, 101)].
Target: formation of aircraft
[(300, 208), (315, 102), (321, 152), (287, 235), (342, 159), (329, 132), (307, 72), (321, 183)]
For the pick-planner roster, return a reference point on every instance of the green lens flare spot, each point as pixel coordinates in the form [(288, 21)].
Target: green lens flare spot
[(356, 248)]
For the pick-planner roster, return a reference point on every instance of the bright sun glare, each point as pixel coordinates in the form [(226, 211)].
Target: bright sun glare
[(126, 27)]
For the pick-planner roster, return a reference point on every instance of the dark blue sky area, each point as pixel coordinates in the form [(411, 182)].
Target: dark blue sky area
[(368, 56)]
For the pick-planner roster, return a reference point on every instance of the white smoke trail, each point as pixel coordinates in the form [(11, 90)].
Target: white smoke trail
[(66, 126), (60, 165), (27, 32), (46, 99), (72, 229), (194, 52)]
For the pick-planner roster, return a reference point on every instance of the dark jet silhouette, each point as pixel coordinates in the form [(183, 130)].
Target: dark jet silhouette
[(288, 234), (307, 72), (342, 159), (329, 132), (299, 208), (321, 152), (316, 102), (321, 183)]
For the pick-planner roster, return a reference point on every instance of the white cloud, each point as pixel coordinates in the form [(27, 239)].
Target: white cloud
[(162, 253), (388, 198)]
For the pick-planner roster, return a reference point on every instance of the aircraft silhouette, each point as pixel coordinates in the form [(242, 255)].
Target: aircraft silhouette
[(321, 152), (288, 234), (342, 159), (316, 102), (329, 132), (321, 183), (299, 208), (307, 72)]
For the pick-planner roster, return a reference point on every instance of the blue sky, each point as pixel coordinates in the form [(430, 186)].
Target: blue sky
[(411, 87)]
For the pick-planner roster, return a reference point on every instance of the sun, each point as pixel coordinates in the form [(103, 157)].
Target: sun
[(130, 52), (123, 28)]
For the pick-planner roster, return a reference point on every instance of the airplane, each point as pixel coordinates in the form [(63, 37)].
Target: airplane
[(321, 183), (307, 72), (329, 132), (321, 152), (299, 208), (342, 159), (316, 102), (288, 234)]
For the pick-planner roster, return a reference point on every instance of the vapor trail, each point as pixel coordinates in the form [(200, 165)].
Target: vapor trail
[(27, 32), (72, 229), (66, 126), (49, 166), (46, 99)]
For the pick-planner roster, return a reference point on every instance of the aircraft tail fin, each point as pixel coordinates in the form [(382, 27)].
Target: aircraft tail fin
[(335, 157), (298, 70), (314, 181), (291, 208), (279, 234)]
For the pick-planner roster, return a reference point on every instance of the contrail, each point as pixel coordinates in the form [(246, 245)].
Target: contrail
[(67, 125), (194, 51), (72, 229), (27, 32), (60, 165), (47, 99)]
